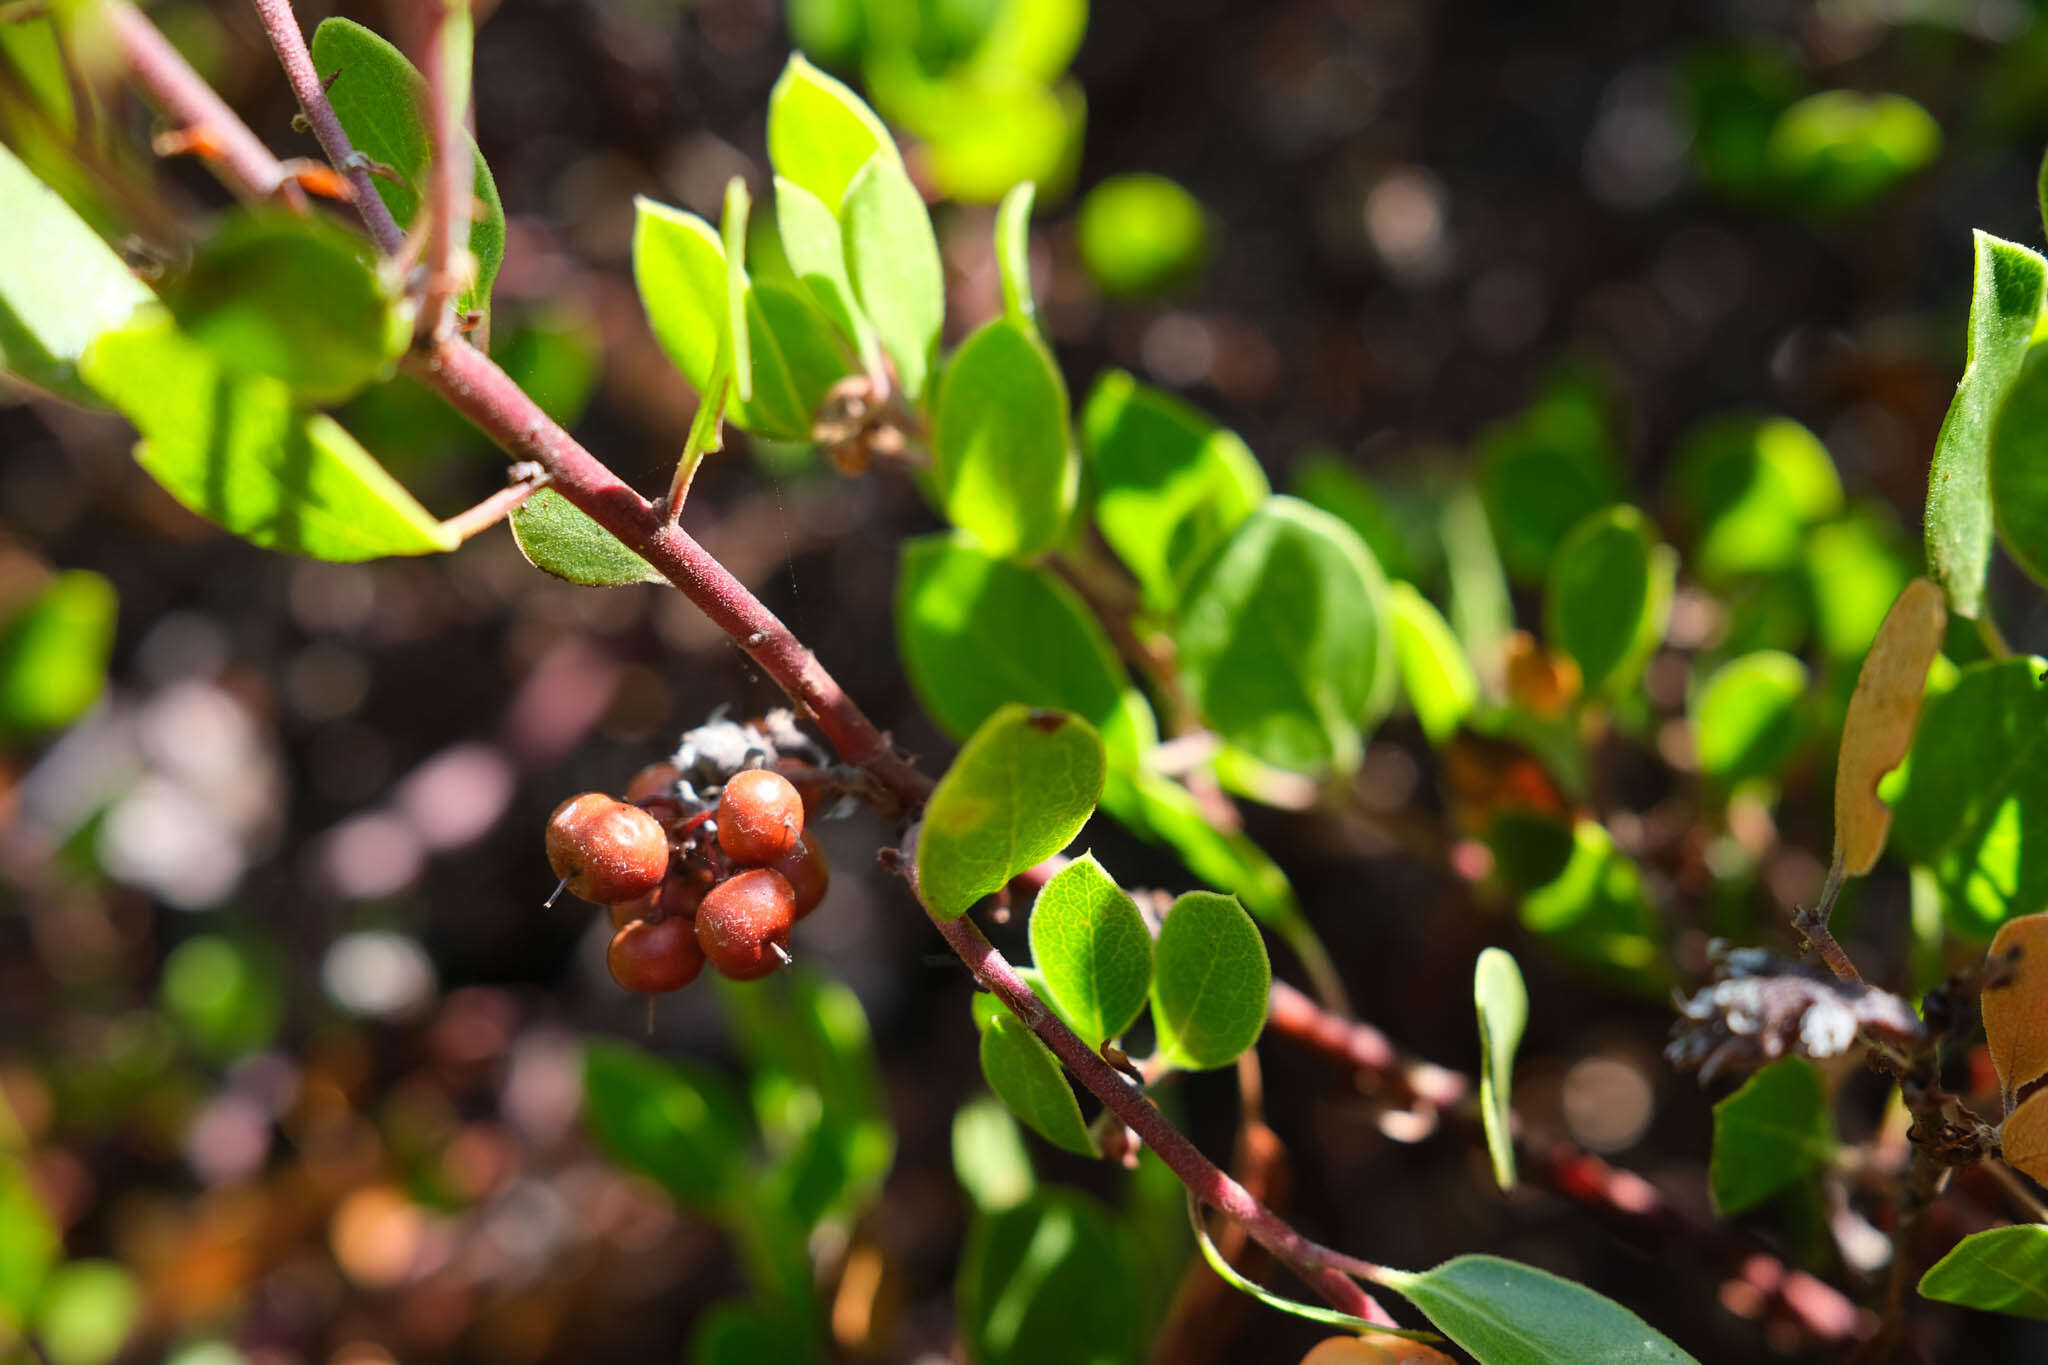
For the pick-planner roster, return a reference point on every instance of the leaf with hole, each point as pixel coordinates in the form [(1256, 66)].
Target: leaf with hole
[(1002, 463), (1503, 1004), (1883, 713), (1170, 485), (237, 450), (1209, 982), (2005, 304), (1091, 943), (380, 99), (1018, 792)]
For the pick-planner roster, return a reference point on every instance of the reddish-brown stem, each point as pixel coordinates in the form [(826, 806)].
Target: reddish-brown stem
[(285, 36), (448, 179), (237, 155), (1364, 1048), (1321, 1267), (529, 479)]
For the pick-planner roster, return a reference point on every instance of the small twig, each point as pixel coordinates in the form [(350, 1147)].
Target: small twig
[(282, 25), (1813, 926), (527, 479)]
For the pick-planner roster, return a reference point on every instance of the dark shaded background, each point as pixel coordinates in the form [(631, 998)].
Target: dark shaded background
[(1569, 224)]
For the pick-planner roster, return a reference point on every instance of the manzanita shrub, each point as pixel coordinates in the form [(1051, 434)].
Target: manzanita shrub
[(1122, 618)]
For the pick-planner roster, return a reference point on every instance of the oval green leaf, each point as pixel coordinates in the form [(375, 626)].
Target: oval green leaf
[(2001, 1270), (1975, 808), (679, 1125), (1434, 670), (1503, 1004), (54, 652), (1091, 943), (1545, 471), (1170, 484), (1017, 793), (2005, 303), (1749, 487), (1209, 983), (1745, 717), (679, 269), (976, 631), (60, 285), (296, 299), (87, 1312), (989, 1157), (1141, 235), (380, 100), (1049, 1282), (1772, 1133), (816, 248), (892, 257), (1507, 1313), (1002, 462), (1013, 254), (1284, 642), (236, 450), (556, 536), (820, 133), (1028, 1079), (1608, 597)]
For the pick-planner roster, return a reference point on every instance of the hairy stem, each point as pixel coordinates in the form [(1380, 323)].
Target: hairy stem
[(449, 178), (237, 155)]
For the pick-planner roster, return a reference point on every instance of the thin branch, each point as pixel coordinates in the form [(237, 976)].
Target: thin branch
[(237, 155), (448, 179), (527, 479), (290, 42)]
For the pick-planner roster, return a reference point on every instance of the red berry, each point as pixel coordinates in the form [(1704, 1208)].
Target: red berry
[(609, 851), (652, 956), (676, 898), (743, 920), (655, 781), (760, 817), (805, 869)]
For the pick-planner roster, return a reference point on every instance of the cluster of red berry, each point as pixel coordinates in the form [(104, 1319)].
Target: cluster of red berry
[(688, 880)]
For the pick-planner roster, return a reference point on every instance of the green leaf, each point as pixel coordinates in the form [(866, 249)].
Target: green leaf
[(1507, 1313), (1581, 892), (1001, 460), (816, 1091), (1311, 1312), (60, 285), (976, 631), (1773, 1132), (982, 136), (87, 1311), (1608, 597), (1544, 472), (1048, 1282), (54, 652), (380, 100), (677, 1124), (820, 133), (796, 363), (1160, 809), (1284, 642), (1170, 485), (1013, 252), (1750, 487), (892, 256), (297, 299), (1503, 1003), (1028, 1079), (1481, 610), (738, 1332), (1745, 717), (2001, 1270), (29, 1246), (679, 268), (236, 450), (1141, 235), (1975, 807), (1090, 941), (732, 232), (226, 995), (1209, 983), (2018, 481), (989, 1156), (1839, 149), (1855, 568), (1434, 670), (817, 255), (2005, 304), (556, 536), (1017, 793), (1390, 526)]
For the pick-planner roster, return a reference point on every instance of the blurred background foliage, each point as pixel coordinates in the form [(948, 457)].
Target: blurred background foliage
[(292, 1060)]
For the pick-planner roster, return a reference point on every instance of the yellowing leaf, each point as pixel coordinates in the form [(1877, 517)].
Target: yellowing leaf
[(2016, 1014), (2026, 1137), (1883, 713)]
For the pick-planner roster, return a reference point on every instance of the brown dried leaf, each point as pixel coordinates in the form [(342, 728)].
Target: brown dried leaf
[(2026, 1137), (2016, 1014), (1883, 714)]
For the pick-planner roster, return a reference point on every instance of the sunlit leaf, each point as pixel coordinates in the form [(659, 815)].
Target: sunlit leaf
[(1209, 984), (1745, 716), (1002, 463), (1506, 1313), (1048, 1282), (892, 257), (1141, 235), (1028, 1079), (1091, 943), (54, 652), (2001, 1270), (675, 1123), (1503, 1004)]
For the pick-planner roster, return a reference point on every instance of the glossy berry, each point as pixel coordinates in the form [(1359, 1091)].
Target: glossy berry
[(760, 817), (608, 851), (804, 868), (652, 956), (741, 918)]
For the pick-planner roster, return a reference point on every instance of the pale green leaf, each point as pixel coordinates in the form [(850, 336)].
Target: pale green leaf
[(1091, 943), (1209, 983), (1503, 1004), (1002, 464), (892, 257)]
